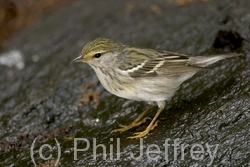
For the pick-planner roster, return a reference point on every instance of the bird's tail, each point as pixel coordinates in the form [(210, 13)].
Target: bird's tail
[(203, 61)]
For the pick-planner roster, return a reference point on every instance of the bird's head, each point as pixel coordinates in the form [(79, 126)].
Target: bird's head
[(99, 52)]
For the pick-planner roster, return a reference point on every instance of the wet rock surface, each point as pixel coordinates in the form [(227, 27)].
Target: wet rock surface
[(211, 111)]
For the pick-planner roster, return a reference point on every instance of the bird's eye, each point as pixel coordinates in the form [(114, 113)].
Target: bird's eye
[(97, 55)]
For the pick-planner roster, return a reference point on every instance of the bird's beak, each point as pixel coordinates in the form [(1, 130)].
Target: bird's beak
[(78, 59)]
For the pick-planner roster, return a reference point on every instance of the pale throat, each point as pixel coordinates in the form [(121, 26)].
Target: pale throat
[(102, 76)]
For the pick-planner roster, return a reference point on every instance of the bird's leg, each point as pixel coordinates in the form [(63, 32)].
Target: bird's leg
[(136, 122), (150, 127)]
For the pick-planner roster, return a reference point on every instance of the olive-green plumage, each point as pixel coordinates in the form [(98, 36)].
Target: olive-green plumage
[(142, 74)]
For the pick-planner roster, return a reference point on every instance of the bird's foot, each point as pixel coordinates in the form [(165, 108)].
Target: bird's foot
[(145, 132), (124, 128)]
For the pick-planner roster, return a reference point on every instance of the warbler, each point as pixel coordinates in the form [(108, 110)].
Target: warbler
[(142, 74)]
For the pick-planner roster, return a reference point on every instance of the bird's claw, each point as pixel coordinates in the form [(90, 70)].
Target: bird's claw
[(124, 128), (143, 133)]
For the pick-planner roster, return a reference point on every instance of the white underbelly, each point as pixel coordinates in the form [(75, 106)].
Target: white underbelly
[(144, 89)]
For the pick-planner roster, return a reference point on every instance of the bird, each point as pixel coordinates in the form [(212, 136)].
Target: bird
[(142, 74)]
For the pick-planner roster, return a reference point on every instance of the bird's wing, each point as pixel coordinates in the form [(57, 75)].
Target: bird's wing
[(151, 63)]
